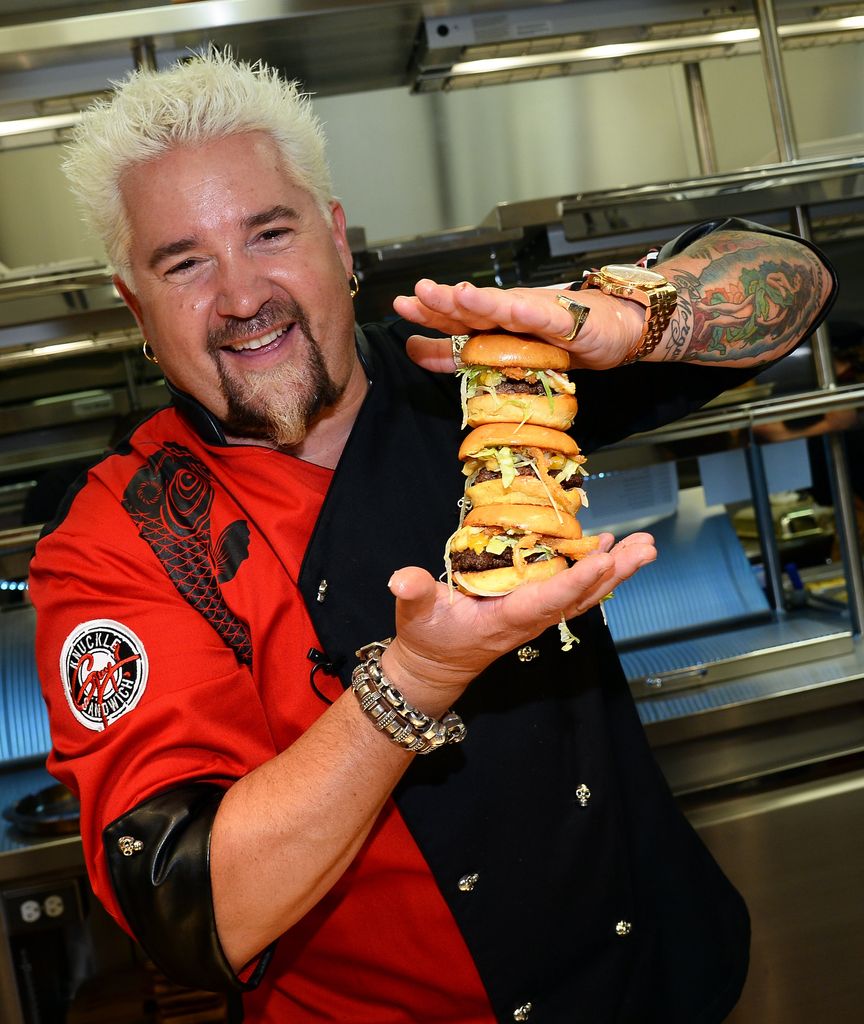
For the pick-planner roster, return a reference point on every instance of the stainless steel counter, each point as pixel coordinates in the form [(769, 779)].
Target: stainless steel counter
[(758, 725)]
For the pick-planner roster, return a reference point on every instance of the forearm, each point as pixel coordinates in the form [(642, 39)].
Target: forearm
[(743, 299), (285, 833)]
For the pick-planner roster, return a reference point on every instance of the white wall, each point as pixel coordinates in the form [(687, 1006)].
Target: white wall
[(583, 133), (39, 223), (826, 94), (457, 154)]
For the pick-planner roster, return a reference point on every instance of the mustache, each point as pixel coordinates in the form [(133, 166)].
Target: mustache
[(274, 313)]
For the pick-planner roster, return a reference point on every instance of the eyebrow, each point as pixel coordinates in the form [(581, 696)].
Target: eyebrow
[(164, 252), (255, 220)]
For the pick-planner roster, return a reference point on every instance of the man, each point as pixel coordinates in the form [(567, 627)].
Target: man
[(202, 597)]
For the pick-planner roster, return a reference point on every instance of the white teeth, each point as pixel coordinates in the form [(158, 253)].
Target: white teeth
[(256, 343)]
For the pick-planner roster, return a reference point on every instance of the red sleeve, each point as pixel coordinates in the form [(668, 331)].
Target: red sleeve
[(142, 693)]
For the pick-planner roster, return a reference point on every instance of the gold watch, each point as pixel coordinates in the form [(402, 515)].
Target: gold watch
[(646, 287)]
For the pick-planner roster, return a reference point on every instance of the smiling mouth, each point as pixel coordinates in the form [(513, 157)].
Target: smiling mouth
[(253, 344)]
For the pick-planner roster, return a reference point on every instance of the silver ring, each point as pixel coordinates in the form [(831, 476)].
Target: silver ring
[(577, 311), (458, 341)]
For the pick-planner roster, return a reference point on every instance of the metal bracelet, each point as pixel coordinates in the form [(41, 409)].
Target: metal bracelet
[(390, 713)]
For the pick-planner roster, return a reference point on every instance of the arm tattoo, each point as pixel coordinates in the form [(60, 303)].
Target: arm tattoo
[(751, 298)]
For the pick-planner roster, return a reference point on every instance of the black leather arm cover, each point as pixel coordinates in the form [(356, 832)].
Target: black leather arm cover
[(164, 887), (678, 244)]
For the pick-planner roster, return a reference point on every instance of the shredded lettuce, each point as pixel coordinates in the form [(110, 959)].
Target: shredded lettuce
[(547, 387), (470, 383), (475, 379), (567, 637), (571, 468), (507, 465)]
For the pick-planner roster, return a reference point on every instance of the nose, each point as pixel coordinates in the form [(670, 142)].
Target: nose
[(241, 287)]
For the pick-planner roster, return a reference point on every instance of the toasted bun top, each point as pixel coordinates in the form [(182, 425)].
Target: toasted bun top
[(516, 435), (526, 519), (513, 350)]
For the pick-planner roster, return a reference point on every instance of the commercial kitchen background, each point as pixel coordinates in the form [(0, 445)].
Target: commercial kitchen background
[(589, 155)]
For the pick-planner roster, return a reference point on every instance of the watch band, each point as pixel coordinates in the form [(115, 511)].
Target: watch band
[(659, 299), (664, 300)]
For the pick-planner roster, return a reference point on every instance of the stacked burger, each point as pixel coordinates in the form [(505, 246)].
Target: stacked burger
[(525, 474)]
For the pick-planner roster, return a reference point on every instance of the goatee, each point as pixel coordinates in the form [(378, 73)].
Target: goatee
[(279, 404)]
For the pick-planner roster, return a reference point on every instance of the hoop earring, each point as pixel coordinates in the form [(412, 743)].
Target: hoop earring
[(353, 285), (147, 352)]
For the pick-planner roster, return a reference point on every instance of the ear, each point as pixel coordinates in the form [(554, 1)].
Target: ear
[(131, 300), (339, 231)]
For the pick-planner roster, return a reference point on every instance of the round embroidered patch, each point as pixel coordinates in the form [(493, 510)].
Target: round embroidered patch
[(104, 669)]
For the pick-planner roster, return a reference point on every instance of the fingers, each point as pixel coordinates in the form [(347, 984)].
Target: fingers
[(578, 588), (634, 538), (434, 354), (612, 328), (455, 308), (571, 592), (605, 541)]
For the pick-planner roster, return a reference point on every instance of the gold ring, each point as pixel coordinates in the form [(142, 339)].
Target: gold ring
[(577, 311)]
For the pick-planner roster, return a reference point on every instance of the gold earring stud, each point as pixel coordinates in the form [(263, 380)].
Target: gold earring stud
[(353, 285), (148, 353)]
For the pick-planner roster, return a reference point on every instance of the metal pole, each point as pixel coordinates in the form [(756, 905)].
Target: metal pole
[(787, 147), (765, 527), (778, 96), (844, 501), (144, 54), (701, 119)]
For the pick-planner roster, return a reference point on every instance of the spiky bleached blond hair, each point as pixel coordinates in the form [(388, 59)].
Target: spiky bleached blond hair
[(204, 98)]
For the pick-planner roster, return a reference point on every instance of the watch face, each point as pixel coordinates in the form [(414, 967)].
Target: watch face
[(635, 276)]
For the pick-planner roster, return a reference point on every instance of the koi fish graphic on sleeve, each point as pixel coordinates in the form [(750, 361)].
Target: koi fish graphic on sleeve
[(170, 500)]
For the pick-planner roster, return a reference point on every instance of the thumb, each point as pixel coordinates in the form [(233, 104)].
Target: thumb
[(416, 593), (415, 590)]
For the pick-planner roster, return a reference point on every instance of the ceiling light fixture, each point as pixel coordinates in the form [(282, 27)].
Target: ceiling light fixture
[(549, 61)]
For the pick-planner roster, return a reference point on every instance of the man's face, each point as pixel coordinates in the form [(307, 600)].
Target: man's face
[(241, 286)]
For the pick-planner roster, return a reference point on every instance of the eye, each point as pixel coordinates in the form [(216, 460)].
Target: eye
[(274, 234), (183, 267)]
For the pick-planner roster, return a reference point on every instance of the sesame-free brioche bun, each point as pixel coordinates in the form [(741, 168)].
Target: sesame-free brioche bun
[(524, 490), (517, 435), (499, 349), (540, 519), (498, 582), (556, 411)]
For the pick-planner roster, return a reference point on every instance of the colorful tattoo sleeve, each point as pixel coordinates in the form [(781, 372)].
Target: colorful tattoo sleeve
[(746, 297)]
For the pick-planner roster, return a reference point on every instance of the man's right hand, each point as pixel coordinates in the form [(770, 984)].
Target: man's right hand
[(444, 639)]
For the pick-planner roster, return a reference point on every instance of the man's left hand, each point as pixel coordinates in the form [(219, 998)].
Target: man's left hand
[(611, 330)]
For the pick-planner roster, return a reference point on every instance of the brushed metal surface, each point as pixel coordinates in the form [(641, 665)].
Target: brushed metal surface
[(737, 193), (759, 751), (794, 852), (336, 47)]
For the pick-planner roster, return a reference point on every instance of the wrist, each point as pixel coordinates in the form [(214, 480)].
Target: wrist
[(391, 713), (630, 317), (415, 677), (656, 296)]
